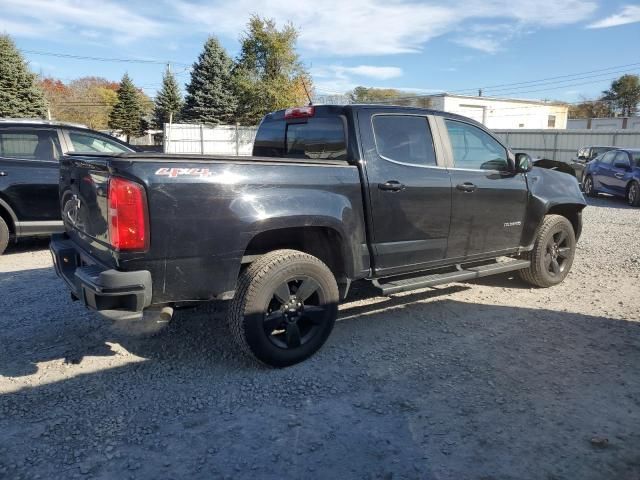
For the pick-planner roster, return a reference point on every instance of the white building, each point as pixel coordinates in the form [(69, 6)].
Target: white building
[(504, 113)]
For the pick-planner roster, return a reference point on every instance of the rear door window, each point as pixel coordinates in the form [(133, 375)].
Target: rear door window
[(320, 138), (30, 144), (404, 139), (88, 143)]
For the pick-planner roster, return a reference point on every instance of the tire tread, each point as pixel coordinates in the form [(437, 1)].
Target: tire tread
[(249, 282), (4, 235), (532, 274)]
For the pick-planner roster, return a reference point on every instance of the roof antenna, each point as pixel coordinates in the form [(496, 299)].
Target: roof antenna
[(304, 84)]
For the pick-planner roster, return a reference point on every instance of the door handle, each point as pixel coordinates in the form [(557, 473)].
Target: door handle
[(619, 175), (391, 186), (3, 174), (466, 187)]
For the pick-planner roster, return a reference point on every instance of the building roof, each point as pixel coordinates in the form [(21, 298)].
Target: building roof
[(498, 99)]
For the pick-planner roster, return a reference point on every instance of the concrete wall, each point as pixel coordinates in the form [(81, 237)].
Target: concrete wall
[(564, 144), (617, 123)]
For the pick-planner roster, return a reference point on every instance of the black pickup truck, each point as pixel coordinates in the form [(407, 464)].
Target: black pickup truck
[(405, 198)]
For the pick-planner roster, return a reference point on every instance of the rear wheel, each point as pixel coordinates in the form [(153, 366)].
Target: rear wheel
[(588, 187), (4, 235), (552, 254), (633, 194), (284, 308)]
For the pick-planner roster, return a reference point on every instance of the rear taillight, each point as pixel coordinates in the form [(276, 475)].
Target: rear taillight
[(299, 112), (128, 221)]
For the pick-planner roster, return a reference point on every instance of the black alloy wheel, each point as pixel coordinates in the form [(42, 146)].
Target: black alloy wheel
[(294, 313), (558, 252)]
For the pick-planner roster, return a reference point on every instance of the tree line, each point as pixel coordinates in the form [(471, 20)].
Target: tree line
[(267, 75), (621, 99)]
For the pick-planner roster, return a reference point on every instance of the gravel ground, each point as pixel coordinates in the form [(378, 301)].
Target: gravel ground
[(482, 380)]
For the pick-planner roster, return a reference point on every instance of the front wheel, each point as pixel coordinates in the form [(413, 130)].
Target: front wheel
[(552, 254), (4, 235), (589, 189), (284, 308), (633, 194)]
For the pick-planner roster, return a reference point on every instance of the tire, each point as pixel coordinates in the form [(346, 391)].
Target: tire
[(633, 194), (276, 330), (4, 235), (553, 252), (588, 187)]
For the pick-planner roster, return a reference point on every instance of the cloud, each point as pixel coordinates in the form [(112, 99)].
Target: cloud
[(370, 71), (326, 27), (339, 78), (43, 18), (628, 14), (485, 43), (378, 27)]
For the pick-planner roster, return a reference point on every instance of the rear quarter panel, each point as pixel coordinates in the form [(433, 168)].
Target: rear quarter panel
[(204, 214)]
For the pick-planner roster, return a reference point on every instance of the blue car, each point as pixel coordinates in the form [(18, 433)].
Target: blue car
[(616, 172)]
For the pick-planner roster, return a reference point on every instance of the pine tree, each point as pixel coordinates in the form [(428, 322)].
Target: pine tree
[(126, 115), (20, 95), (210, 93), (168, 101)]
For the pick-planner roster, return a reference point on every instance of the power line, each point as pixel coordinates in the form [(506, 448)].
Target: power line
[(557, 87), (518, 86), (553, 82), (103, 59), (489, 87), (410, 97)]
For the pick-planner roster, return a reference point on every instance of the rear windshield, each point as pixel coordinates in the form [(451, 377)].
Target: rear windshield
[(317, 138)]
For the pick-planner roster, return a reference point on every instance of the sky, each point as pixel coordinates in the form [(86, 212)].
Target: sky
[(540, 49)]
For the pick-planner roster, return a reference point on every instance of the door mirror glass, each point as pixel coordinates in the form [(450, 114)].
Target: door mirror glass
[(524, 162)]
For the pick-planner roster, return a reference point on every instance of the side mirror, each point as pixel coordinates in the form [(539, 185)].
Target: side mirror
[(524, 162)]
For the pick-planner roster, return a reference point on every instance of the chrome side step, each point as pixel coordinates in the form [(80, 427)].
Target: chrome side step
[(389, 286)]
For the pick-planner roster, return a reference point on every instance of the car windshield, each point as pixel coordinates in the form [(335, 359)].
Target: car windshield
[(597, 151), (635, 158)]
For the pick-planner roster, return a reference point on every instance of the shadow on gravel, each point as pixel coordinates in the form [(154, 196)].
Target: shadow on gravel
[(431, 388), (27, 244), (609, 201), (413, 386), (506, 280)]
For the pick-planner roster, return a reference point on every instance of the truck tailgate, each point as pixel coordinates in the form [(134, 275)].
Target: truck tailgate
[(84, 183)]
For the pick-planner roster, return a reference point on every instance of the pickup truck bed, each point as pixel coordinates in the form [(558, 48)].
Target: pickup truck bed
[(403, 197)]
